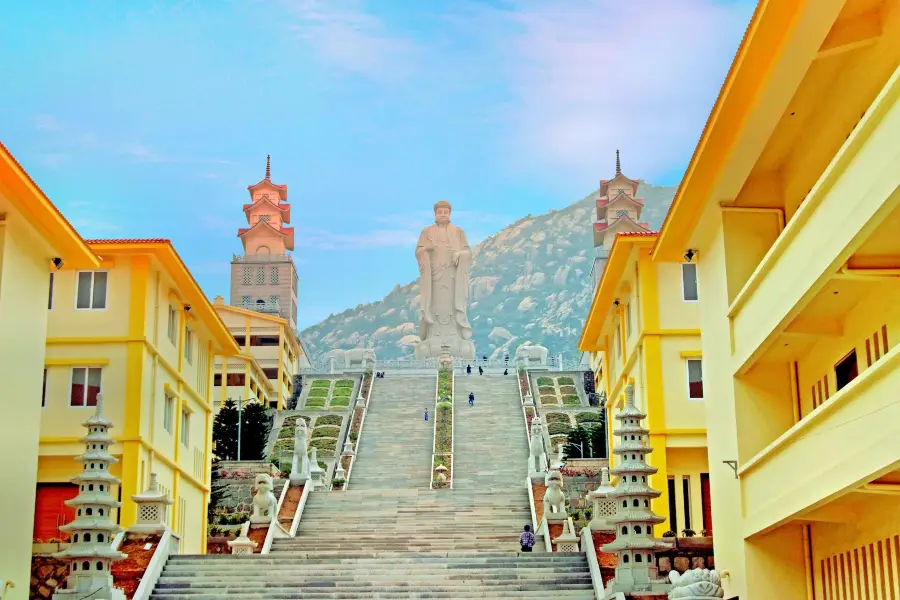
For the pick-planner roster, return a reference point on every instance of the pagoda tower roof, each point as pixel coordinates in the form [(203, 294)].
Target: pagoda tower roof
[(285, 209), (618, 225), (605, 184), (266, 183), (265, 226)]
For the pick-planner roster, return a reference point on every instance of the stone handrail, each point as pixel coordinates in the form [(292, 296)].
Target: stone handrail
[(362, 421), (274, 525), (587, 546), (303, 497), (168, 545), (530, 489)]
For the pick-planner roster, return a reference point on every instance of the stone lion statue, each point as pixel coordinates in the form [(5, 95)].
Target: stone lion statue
[(696, 584), (554, 498), (300, 460), (537, 457), (264, 502)]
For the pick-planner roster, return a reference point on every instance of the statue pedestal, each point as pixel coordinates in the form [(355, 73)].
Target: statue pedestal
[(459, 348)]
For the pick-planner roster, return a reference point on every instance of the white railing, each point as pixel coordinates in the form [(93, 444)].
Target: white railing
[(587, 546), (167, 546), (275, 525), (362, 421), (307, 488), (255, 258)]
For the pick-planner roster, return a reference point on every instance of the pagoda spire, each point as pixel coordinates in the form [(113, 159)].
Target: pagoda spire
[(618, 164), (89, 554), (269, 167)]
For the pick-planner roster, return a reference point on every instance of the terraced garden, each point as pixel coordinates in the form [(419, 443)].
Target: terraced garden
[(558, 391), (560, 424), (324, 432), (330, 394)]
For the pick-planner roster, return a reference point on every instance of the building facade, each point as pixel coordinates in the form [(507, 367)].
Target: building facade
[(34, 238), (269, 359), (644, 323), (618, 211), (264, 277), (791, 210), (139, 330)]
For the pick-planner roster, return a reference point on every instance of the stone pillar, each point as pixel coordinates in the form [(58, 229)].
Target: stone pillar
[(152, 506), (568, 541), (242, 544)]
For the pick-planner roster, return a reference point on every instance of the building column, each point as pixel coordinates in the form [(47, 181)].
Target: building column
[(660, 481), (131, 485)]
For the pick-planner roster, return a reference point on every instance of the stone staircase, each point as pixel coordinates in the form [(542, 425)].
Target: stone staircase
[(490, 447), (388, 535), (396, 443)]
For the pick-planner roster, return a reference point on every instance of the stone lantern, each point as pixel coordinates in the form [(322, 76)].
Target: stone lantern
[(152, 506), (604, 511), (89, 554), (348, 448)]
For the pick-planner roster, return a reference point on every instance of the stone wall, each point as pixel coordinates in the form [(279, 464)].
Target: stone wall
[(46, 574)]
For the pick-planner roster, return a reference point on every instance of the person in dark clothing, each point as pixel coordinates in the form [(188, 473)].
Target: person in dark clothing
[(526, 540), (506, 371), (471, 398), (426, 414), (468, 369), (480, 371)]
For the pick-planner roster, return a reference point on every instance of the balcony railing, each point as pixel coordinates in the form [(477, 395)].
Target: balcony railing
[(258, 258)]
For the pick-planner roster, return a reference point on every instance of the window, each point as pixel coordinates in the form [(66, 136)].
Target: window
[(248, 276), (673, 510), (246, 301), (173, 325), (236, 380), (271, 373), (44, 391), (91, 290), (689, 291), (273, 300), (265, 218), (168, 413), (240, 340), (50, 299), (273, 276), (686, 490), (264, 340), (695, 378), (185, 428), (86, 384), (705, 502), (188, 345), (621, 213), (217, 380), (846, 369), (260, 275)]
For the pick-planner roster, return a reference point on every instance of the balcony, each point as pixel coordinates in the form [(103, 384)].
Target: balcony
[(849, 441), (260, 258)]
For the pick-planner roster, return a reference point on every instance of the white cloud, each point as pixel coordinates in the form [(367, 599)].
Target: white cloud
[(47, 123), (346, 36)]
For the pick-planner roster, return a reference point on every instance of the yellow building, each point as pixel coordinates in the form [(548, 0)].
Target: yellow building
[(264, 370), (792, 209), (644, 325), (138, 329), (33, 234)]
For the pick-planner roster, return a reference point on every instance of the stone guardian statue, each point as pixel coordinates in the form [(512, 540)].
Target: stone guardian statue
[(696, 584), (444, 259), (537, 458), (264, 502), (300, 461)]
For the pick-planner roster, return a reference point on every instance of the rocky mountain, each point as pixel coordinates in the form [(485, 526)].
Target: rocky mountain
[(530, 282)]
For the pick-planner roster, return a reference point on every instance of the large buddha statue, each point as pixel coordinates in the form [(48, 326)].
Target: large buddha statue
[(444, 259)]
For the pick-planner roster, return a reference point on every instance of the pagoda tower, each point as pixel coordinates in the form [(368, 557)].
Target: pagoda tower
[(634, 545), (618, 211), (264, 277), (89, 553)]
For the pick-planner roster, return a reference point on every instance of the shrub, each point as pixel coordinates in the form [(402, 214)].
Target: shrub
[(354, 436), (284, 444), (320, 383), (544, 381), (559, 429), (444, 405), (556, 417), (669, 534), (568, 389), (329, 420), (589, 417), (558, 440), (571, 401), (325, 446), (325, 432), (291, 421), (547, 390), (565, 381), (529, 412), (688, 533), (344, 383), (286, 432), (315, 403), (549, 401)]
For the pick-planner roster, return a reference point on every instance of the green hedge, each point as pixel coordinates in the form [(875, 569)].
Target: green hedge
[(329, 420), (339, 401), (589, 417), (547, 390), (325, 446), (545, 381), (284, 444), (321, 383), (555, 417), (565, 381), (286, 432), (559, 429), (291, 421), (342, 392), (326, 432), (571, 401)]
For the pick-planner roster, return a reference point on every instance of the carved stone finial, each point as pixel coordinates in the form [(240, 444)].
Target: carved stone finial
[(268, 167), (618, 164)]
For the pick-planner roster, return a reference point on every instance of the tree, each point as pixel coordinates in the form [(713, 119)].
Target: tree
[(598, 441), (578, 438), (255, 430), (224, 433)]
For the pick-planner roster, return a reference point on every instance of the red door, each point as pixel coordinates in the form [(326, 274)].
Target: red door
[(50, 511), (707, 503)]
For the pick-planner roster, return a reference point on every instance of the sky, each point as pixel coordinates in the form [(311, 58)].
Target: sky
[(151, 118)]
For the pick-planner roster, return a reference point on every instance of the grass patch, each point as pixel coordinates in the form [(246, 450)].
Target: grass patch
[(559, 429), (571, 401), (329, 420), (549, 401), (315, 403), (545, 381), (284, 444), (340, 402), (326, 432), (445, 385), (555, 442), (443, 427), (318, 393), (565, 381), (589, 417), (441, 461), (291, 421), (321, 383), (547, 390), (344, 383), (285, 432), (555, 417), (568, 389), (325, 446)]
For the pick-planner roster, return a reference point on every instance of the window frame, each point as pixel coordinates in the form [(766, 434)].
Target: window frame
[(44, 390), (53, 288), (106, 295), (188, 345), (185, 427), (687, 372), (86, 379), (696, 282), (168, 412), (172, 325)]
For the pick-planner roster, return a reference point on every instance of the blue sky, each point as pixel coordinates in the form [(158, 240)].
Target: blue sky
[(150, 118)]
